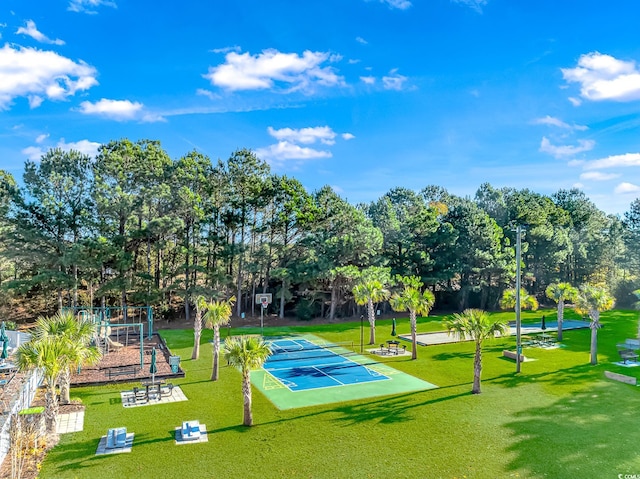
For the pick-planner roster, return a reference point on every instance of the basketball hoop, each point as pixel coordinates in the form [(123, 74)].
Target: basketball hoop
[(263, 299)]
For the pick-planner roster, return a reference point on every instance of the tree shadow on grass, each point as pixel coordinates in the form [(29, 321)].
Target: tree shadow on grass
[(391, 410), (593, 433), (584, 373)]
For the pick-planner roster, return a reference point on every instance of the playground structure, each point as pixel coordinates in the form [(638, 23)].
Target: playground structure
[(118, 327)]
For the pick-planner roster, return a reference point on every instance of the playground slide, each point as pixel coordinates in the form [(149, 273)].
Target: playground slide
[(114, 344)]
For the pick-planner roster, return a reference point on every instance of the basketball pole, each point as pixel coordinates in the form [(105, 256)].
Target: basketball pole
[(262, 320)]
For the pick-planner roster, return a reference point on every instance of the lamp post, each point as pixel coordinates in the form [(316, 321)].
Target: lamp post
[(361, 333), (518, 274)]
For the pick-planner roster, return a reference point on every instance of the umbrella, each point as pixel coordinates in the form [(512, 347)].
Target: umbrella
[(153, 369), (393, 327), (5, 351), (5, 343), (543, 326), (3, 334)]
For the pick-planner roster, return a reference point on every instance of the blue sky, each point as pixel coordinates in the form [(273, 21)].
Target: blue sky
[(362, 95)]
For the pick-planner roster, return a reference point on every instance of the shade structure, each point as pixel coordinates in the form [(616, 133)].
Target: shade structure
[(153, 369), (393, 327)]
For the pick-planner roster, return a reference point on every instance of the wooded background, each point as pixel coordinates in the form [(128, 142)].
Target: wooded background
[(135, 227)]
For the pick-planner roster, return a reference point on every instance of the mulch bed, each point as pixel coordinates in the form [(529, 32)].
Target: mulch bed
[(123, 364)]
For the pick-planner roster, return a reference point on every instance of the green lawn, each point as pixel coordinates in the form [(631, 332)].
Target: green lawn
[(558, 419)]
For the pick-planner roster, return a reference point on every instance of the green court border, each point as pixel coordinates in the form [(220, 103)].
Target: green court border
[(283, 398)]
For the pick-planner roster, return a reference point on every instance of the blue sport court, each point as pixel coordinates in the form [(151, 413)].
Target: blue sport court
[(300, 365)]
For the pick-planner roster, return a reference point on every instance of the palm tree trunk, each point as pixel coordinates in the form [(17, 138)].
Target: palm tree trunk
[(560, 318), (246, 392), (65, 382), (414, 338), (197, 333), (51, 408), (372, 323), (216, 352), (477, 369)]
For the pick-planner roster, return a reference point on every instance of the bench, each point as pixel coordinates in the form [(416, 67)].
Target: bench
[(122, 371), (392, 348), (166, 390), (628, 354), (116, 437), (190, 430), (512, 355), (621, 377)]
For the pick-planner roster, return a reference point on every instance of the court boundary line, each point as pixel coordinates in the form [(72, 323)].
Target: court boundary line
[(377, 374)]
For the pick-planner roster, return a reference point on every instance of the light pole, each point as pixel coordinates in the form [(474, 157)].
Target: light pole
[(362, 334), (518, 274)]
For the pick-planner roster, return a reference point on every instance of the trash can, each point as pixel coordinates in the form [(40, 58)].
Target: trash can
[(174, 362)]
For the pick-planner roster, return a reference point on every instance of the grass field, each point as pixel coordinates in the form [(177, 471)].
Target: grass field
[(560, 418)]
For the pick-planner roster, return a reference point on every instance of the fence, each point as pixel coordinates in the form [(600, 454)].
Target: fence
[(21, 399)]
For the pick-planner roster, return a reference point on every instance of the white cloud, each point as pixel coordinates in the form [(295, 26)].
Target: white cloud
[(34, 153), (31, 31), (234, 48), (306, 136), (361, 41), (289, 140), (89, 6), (393, 81), (119, 110), (37, 74), (285, 150), (208, 93), (628, 159), (626, 188), (575, 101), (603, 77), (598, 176), (552, 121), (474, 4), (34, 101), (42, 137), (368, 80), (272, 68), (399, 4), (87, 147), (565, 150)]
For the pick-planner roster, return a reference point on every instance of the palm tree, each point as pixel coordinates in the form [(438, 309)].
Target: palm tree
[(592, 300), (561, 292), (477, 325), (527, 301), (201, 305), (246, 353), (216, 314), (412, 300), (45, 354), (79, 352), (369, 292)]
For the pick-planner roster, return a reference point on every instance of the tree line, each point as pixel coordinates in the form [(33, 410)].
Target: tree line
[(133, 226)]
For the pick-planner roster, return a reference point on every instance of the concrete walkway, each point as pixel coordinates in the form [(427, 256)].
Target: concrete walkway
[(443, 337), (70, 422)]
